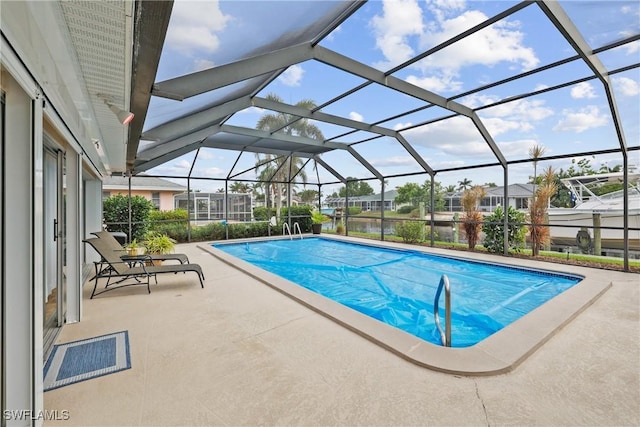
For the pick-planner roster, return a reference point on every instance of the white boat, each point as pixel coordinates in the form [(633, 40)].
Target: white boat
[(608, 208)]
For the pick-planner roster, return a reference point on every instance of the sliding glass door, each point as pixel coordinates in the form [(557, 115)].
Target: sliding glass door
[(54, 246)]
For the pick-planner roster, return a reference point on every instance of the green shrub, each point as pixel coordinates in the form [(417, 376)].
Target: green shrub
[(237, 231), (115, 211), (212, 231), (300, 214), (177, 231), (260, 213), (257, 229), (354, 210), (172, 223), (411, 231), (177, 215), (493, 229), (405, 209)]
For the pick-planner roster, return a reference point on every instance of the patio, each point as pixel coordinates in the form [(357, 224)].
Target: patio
[(240, 353)]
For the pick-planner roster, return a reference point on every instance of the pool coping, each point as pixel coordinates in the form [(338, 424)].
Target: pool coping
[(499, 353)]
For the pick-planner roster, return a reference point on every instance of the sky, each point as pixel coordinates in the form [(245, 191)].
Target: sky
[(384, 34)]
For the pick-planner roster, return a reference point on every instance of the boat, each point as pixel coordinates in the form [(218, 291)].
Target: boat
[(575, 226)]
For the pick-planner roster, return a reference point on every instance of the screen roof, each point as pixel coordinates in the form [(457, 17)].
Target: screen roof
[(379, 89)]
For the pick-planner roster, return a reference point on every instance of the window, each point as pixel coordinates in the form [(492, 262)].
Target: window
[(155, 199)]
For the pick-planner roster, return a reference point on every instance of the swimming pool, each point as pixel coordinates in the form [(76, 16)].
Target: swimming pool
[(398, 287), (499, 353)]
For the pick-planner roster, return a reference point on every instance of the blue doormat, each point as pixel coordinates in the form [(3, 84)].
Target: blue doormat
[(82, 360)]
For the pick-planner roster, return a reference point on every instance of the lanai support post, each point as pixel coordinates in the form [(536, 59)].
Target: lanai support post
[(382, 211), (432, 210), (505, 246), (129, 203)]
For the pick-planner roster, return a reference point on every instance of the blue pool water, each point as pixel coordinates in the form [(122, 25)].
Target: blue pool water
[(398, 287)]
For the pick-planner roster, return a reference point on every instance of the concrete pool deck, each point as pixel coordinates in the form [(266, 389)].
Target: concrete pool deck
[(497, 354), (240, 353)]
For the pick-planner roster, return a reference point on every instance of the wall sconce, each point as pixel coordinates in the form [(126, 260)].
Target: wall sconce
[(123, 116)]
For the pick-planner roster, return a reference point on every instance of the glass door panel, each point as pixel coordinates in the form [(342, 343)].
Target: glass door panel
[(202, 208), (54, 308)]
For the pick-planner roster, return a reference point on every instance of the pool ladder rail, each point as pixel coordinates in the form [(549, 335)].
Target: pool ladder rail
[(445, 336), (286, 230)]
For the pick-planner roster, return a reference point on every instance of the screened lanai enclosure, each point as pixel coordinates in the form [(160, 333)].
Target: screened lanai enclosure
[(280, 97)]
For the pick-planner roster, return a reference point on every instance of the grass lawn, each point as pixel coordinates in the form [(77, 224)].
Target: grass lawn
[(550, 256)]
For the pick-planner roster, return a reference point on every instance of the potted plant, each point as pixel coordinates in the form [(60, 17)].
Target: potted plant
[(317, 218), (132, 248), (158, 243)]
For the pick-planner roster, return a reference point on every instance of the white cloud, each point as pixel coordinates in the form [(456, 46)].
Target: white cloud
[(436, 84), (400, 19), (501, 42), (178, 168), (497, 43), (518, 148), (399, 125), (454, 137), (632, 47), (521, 109), (447, 164), (332, 35), (583, 90), (393, 161), (476, 100), (356, 116), (292, 76), (194, 24), (540, 86), (497, 126), (202, 64), (587, 118), (458, 138), (519, 115), (205, 154), (209, 172), (626, 86)]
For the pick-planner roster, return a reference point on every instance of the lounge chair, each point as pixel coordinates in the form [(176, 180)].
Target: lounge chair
[(112, 266), (116, 246)]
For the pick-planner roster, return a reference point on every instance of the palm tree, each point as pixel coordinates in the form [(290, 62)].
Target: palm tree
[(472, 218), (240, 187), (450, 189), (538, 211), (535, 153), (275, 169), (464, 184)]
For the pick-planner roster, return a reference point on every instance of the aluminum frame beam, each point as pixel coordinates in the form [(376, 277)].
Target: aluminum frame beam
[(184, 87), (565, 25), (185, 125), (354, 67), (238, 130), (341, 121), (162, 149), (331, 170), (366, 164)]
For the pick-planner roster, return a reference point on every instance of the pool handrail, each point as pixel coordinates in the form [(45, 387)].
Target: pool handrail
[(445, 337), (287, 230)]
